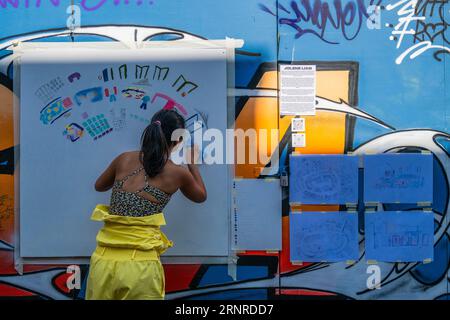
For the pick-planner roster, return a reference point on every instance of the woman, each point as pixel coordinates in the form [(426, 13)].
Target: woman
[(126, 264)]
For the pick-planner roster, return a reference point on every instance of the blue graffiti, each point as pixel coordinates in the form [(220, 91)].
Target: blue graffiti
[(344, 16)]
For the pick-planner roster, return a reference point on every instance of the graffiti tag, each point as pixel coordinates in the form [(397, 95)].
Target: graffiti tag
[(319, 17), (428, 27), (87, 5)]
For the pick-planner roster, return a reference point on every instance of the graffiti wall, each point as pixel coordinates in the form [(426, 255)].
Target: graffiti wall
[(381, 82)]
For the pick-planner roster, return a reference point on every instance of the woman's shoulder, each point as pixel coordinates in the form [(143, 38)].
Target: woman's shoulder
[(174, 169), (128, 155), (125, 159)]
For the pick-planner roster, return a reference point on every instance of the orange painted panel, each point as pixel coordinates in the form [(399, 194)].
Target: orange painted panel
[(258, 113), (268, 80), (6, 118), (333, 85)]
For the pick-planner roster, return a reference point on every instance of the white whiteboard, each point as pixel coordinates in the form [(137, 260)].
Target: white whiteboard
[(57, 175)]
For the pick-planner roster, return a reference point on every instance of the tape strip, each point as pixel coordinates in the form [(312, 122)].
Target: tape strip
[(18, 261), (228, 44)]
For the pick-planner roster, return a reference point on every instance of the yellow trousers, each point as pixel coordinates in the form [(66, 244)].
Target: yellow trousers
[(125, 274), (126, 263)]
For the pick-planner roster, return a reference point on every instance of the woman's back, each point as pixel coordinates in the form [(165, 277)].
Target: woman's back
[(135, 194)]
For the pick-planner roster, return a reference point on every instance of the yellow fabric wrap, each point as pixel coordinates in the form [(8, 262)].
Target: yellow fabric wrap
[(140, 233)]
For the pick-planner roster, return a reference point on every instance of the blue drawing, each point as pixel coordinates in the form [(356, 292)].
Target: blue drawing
[(399, 236), (145, 100), (106, 74), (92, 95), (194, 123), (323, 236), (323, 179), (53, 111), (73, 132), (398, 178)]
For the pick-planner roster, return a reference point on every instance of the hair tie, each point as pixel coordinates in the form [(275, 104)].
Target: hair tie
[(157, 122)]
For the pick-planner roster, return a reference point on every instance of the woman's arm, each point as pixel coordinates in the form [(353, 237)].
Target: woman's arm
[(192, 183), (106, 179)]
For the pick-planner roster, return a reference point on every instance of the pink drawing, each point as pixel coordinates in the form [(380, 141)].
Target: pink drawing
[(84, 115), (67, 102), (170, 104)]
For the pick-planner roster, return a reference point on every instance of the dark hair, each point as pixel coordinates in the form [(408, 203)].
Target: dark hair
[(156, 140)]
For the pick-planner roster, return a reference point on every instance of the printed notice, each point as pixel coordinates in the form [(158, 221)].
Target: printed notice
[(298, 140), (298, 124), (298, 90)]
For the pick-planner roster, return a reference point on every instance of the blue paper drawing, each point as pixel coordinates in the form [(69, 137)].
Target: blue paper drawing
[(90, 95), (194, 123), (398, 178), (323, 179), (399, 236), (324, 236)]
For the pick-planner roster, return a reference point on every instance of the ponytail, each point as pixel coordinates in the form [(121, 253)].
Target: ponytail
[(156, 140)]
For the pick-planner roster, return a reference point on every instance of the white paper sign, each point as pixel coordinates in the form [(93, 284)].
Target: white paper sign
[(298, 90), (298, 140), (298, 125)]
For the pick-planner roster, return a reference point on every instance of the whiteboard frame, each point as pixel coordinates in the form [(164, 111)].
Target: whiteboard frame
[(228, 44)]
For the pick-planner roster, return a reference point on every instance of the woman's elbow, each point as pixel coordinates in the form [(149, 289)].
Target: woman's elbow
[(99, 187), (201, 198)]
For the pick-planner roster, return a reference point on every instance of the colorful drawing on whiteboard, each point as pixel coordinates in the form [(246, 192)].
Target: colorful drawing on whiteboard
[(123, 71), (194, 123), (160, 73), (49, 90), (107, 74), (112, 95), (53, 111), (97, 126), (118, 120), (399, 236), (182, 82), (91, 95), (143, 82), (67, 103), (73, 76), (203, 116), (324, 236), (141, 72), (404, 178), (133, 93), (170, 103), (145, 100), (323, 179), (139, 118), (73, 132)]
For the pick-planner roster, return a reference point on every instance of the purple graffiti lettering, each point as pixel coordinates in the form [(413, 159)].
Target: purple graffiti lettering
[(85, 6), (14, 3), (38, 3), (344, 16)]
